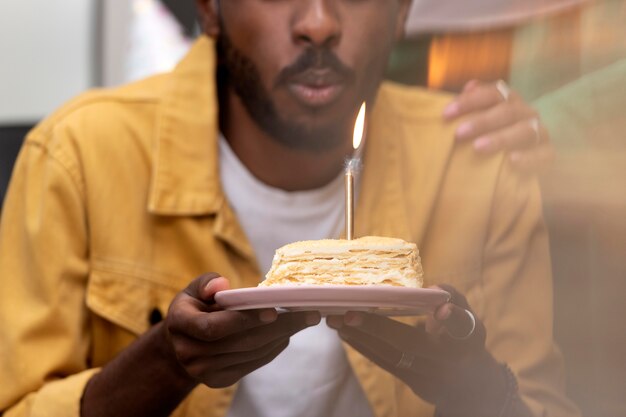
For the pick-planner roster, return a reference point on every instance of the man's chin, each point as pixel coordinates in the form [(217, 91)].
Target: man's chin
[(301, 127), (317, 141)]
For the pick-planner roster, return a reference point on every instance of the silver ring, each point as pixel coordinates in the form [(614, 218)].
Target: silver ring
[(503, 89), (406, 361), (534, 125), (471, 332)]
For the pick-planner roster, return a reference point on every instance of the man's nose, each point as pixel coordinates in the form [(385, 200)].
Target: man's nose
[(317, 23)]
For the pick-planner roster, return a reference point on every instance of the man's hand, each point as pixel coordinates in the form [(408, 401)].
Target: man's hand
[(444, 361), (217, 347), (497, 118), (197, 343)]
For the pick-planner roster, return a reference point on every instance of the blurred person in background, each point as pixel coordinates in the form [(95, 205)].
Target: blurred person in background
[(531, 44), (123, 195), (569, 58), (585, 202), (528, 44)]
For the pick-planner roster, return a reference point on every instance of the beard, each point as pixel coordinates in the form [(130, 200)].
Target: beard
[(237, 71)]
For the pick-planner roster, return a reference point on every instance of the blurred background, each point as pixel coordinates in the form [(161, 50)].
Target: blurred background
[(566, 57)]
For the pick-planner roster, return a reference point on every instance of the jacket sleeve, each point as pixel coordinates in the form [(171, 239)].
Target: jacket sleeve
[(517, 286), (44, 339)]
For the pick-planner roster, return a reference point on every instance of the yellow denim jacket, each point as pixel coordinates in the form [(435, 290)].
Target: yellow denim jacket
[(115, 206)]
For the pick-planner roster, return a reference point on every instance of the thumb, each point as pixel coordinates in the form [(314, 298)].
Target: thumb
[(206, 286), (456, 320)]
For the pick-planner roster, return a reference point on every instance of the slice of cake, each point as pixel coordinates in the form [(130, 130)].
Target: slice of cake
[(369, 260)]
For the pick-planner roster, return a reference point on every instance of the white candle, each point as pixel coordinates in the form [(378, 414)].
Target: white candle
[(352, 166), (349, 185)]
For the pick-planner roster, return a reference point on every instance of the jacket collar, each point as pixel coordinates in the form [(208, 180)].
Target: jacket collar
[(185, 178)]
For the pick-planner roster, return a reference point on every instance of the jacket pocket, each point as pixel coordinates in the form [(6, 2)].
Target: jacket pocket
[(127, 300)]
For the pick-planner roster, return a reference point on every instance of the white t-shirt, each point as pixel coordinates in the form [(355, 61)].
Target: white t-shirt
[(312, 377), (451, 15)]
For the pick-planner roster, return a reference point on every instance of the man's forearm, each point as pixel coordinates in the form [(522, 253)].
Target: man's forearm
[(144, 380)]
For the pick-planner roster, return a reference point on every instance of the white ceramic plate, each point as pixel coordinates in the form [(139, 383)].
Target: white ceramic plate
[(336, 299)]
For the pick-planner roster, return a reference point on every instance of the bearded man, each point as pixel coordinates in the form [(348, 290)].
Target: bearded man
[(123, 196)]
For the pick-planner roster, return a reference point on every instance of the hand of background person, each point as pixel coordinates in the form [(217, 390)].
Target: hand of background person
[(497, 118), (434, 359), (218, 347)]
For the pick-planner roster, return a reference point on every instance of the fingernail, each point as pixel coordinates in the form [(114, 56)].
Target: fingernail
[(312, 319), (482, 144), (464, 130), (268, 316), (210, 286), (515, 157), (451, 110), (353, 319)]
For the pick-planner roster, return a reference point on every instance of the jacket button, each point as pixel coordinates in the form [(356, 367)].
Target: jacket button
[(155, 316)]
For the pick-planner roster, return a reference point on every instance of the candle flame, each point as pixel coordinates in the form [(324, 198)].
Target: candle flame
[(358, 128)]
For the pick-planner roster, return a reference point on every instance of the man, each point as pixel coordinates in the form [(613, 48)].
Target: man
[(120, 197)]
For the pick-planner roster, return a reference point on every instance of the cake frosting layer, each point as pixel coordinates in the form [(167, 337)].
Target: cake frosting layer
[(369, 260)]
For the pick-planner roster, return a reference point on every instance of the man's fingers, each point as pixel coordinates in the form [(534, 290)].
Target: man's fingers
[(454, 318), (213, 286), (286, 325), (229, 376), (423, 376), (218, 325), (397, 360), (455, 296), (187, 320), (238, 358), (199, 365), (379, 352), (389, 332), (384, 328), (205, 286), (204, 358), (461, 324)]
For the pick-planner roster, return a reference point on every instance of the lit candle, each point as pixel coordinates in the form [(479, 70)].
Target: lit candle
[(352, 166), (349, 184)]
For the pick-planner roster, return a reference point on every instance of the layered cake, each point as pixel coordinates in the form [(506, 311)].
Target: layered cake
[(369, 260)]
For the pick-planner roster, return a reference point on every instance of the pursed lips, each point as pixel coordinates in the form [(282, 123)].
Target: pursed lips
[(316, 87)]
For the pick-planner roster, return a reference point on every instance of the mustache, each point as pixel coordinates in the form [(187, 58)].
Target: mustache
[(315, 59)]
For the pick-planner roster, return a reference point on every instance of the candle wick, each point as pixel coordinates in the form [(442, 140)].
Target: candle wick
[(353, 164)]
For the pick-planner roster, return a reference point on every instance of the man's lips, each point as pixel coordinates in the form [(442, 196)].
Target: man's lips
[(316, 88), (315, 96)]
